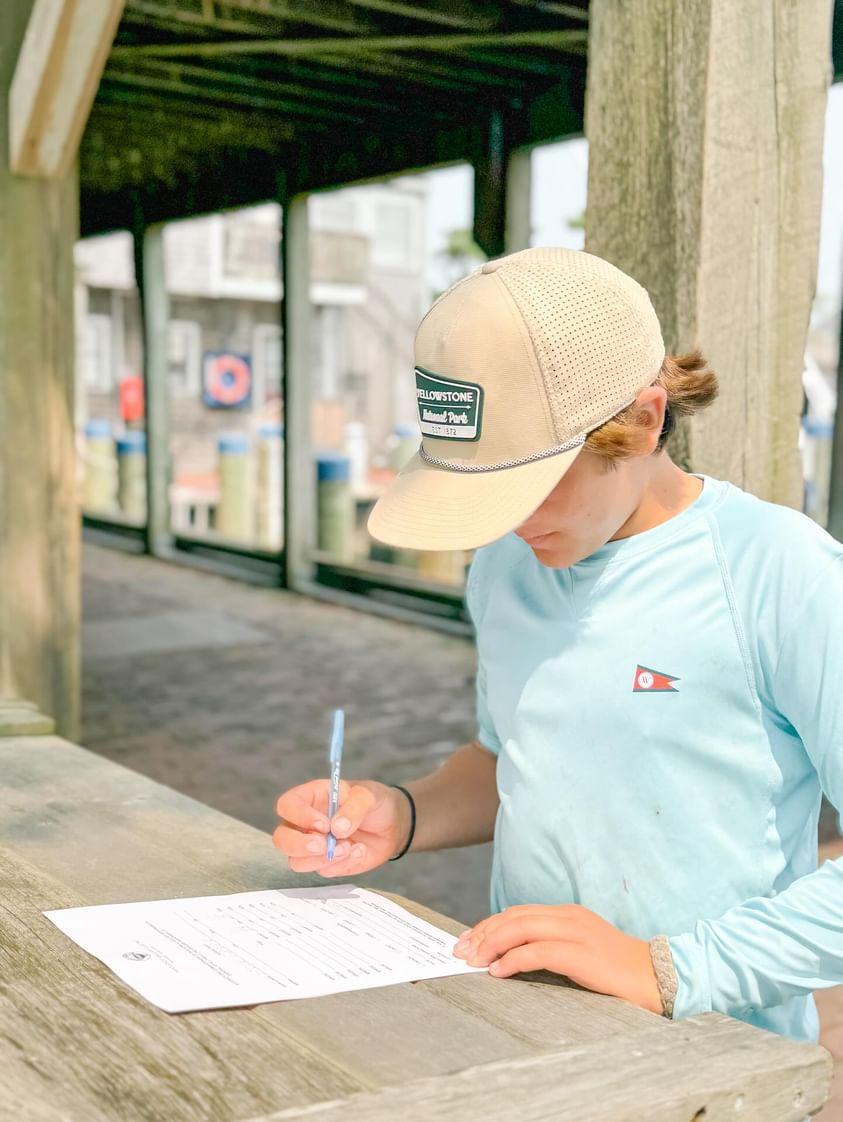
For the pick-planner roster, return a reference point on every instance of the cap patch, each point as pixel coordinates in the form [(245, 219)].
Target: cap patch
[(449, 409)]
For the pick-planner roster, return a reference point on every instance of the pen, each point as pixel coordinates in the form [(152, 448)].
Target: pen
[(335, 760)]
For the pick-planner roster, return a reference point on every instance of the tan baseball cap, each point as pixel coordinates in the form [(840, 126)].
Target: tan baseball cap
[(515, 364)]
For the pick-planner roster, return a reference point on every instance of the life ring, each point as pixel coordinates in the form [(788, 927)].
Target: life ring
[(228, 379)]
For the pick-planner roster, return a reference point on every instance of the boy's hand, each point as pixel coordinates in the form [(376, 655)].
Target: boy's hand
[(566, 939), (371, 825)]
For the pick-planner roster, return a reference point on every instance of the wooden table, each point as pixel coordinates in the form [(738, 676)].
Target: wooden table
[(77, 1045)]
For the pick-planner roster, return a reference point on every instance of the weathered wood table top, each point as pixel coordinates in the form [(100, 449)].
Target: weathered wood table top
[(79, 1046)]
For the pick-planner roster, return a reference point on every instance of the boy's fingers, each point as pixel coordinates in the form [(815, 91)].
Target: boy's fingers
[(345, 864), (353, 808), (305, 806), (296, 843), (320, 864)]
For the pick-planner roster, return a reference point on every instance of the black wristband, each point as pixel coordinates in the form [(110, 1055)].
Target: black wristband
[(412, 802)]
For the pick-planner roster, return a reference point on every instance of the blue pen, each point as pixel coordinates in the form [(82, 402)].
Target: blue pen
[(335, 760)]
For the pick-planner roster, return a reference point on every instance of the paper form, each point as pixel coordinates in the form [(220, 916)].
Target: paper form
[(215, 952)]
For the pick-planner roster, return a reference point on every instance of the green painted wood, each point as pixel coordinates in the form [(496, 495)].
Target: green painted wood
[(489, 223), (150, 272), (556, 37), (299, 466)]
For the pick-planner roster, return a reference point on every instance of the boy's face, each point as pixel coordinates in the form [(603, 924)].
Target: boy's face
[(593, 502), (584, 511)]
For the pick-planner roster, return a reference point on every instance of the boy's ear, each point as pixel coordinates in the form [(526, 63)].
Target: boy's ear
[(650, 406)]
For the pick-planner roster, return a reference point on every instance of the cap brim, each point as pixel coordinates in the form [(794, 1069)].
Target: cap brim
[(428, 507)]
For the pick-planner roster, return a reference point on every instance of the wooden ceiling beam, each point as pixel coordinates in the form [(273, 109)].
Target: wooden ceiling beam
[(235, 97), (451, 13), (218, 15), (454, 79), (247, 128), (552, 8), (528, 64), (227, 80), (559, 38), (55, 81)]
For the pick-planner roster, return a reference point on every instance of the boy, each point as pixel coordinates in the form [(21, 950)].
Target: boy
[(660, 665)]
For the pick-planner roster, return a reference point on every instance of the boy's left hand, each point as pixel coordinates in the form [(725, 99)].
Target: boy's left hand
[(566, 939)]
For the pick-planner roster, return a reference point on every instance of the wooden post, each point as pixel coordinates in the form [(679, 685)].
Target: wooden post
[(299, 469), (56, 77), (517, 199), (39, 517), (489, 176), (705, 128), (19, 717), (151, 280)]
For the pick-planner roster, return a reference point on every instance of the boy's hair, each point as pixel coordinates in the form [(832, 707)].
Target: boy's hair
[(690, 384)]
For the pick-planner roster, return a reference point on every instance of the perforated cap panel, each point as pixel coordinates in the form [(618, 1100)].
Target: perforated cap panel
[(596, 336)]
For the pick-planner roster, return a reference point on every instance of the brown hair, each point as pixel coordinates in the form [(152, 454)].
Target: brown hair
[(690, 384)]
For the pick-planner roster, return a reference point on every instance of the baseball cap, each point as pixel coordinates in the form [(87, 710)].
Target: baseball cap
[(515, 364)]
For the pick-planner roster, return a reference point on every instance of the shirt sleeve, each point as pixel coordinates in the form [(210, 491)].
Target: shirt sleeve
[(769, 949), (486, 734)]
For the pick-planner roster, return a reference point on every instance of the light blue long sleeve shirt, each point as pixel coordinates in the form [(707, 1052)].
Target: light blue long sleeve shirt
[(665, 715)]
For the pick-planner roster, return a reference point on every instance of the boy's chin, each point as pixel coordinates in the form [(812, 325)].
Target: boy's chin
[(554, 558)]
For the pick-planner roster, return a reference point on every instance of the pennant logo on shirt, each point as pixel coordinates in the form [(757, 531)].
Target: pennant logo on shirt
[(652, 681)]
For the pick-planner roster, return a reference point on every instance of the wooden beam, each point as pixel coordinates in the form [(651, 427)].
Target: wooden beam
[(299, 468), (453, 13), (39, 515), (552, 8), (55, 81), (358, 44), (339, 15), (226, 93), (705, 128), (253, 15), (150, 276), (231, 175), (256, 81), (716, 1066), (440, 75), (489, 188)]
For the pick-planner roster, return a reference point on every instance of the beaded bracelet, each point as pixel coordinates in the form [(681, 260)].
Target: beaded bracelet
[(412, 801), (665, 972)]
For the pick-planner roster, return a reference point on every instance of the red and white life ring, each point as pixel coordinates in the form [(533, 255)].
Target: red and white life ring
[(227, 379)]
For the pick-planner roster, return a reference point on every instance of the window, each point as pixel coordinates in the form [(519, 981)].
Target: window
[(557, 203), (266, 364), (184, 356), (394, 242), (225, 407), (333, 210), (364, 424), (95, 356)]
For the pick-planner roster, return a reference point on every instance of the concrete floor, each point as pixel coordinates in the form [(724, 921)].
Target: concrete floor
[(224, 691)]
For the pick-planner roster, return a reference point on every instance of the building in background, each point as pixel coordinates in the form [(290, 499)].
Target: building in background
[(368, 290)]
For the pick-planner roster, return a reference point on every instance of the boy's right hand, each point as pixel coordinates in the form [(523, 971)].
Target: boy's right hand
[(371, 825)]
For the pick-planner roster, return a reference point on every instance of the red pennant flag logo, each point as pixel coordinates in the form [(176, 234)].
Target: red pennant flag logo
[(648, 680)]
